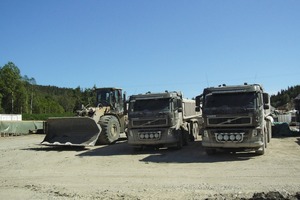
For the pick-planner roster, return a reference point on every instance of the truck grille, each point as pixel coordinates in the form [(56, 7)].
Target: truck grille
[(149, 122), (229, 121)]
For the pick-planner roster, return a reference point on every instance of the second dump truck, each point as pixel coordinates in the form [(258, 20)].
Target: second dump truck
[(161, 119), (235, 118)]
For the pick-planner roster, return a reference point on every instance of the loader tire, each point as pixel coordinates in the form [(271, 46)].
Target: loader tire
[(110, 130)]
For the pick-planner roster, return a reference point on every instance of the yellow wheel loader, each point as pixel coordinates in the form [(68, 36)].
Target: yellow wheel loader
[(101, 124)]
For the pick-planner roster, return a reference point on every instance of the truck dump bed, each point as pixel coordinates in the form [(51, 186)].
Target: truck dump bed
[(189, 109)]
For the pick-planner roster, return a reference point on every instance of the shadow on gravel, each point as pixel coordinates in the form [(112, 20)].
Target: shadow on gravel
[(298, 141), (193, 153), (55, 148), (66, 148), (119, 148)]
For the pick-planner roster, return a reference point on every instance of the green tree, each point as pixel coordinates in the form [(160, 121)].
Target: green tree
[(30, 87), (1, 109), (21, 96), (11, 88)]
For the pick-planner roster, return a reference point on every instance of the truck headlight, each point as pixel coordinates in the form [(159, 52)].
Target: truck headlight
[(254, 133), (226, 137), (205, 133), (220, 137), (232, 137), (130, 134), (238, 137)]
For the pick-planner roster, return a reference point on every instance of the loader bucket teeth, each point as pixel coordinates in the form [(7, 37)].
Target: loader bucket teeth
[(71, 131)]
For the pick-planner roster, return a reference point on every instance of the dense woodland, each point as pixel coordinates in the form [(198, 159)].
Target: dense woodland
[(284, 99), (21, 94)]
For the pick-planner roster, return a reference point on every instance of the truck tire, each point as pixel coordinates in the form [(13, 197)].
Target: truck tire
[(262, 150), (179, 143), (110, 130), (194, 131), (269, 127), (179, 136), (266, 136), (185, 137)]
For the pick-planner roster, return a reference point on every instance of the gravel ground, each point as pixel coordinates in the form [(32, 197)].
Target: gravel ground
[(32, 171)]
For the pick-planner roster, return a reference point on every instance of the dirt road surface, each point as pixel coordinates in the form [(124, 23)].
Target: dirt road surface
[(32, 171)]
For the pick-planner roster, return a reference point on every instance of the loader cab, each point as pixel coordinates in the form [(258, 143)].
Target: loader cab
[(110, 97)]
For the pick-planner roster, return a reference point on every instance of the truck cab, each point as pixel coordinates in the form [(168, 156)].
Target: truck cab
[(157, 119), (235, 118)]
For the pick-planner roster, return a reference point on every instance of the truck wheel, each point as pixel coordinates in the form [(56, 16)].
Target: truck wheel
[(110, 130), (266, 139), (185, 137), (179, 143), (266, 133), (194, 132), (262, 150), (269, 127)]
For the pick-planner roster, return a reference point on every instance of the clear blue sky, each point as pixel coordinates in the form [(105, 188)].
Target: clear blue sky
[(153, 45)]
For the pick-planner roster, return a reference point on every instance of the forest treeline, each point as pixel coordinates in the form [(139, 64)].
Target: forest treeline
[(284, 99), (21, 94)]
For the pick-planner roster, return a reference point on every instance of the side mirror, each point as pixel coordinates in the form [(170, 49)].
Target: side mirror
[(198, 100), (125, 107), (198, 103), (266, 98)]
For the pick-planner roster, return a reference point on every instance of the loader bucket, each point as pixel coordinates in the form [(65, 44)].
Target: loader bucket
[(71, 131)]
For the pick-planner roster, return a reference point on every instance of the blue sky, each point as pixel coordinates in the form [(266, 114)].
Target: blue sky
[(153, 45)]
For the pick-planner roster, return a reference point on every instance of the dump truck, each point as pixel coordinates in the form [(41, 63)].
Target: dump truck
[(161, 120), (100, 124), (235, 118)]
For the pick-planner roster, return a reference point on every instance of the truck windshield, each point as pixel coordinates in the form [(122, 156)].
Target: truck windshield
[(151, 105), (231, 100)]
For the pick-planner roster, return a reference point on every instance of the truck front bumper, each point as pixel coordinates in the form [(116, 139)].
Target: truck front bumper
[(232, 138), (246, 145), (161, 136)]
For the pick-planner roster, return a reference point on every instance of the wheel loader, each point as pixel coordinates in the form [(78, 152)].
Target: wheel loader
[(101, 124)]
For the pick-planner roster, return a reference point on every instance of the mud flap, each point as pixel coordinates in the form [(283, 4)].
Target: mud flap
[(71, 131)]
